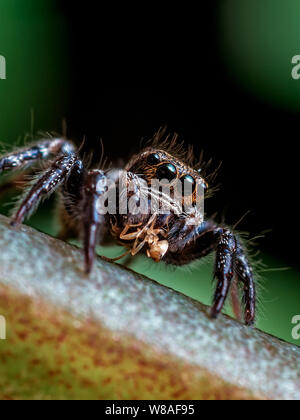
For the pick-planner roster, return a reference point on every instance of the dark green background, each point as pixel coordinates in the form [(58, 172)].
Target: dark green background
[(259, 39), (257, 54)]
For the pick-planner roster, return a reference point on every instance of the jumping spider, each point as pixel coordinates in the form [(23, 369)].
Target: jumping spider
[(165, 237)]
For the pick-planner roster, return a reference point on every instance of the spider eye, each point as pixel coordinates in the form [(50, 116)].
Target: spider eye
[(153, 159), (205, 187), (188, 185), (166, 171)]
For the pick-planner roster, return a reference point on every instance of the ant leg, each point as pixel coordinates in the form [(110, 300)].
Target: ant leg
[(34, 153), (224, 270), (245, 275), (45, 185), (130, 236)]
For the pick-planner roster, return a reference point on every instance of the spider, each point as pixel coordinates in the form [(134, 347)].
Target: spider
[(177, 238)]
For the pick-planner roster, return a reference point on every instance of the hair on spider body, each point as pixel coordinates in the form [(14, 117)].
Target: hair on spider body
[(177, 234)]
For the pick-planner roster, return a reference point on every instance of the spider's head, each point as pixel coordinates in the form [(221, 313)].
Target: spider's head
[(155, 164)]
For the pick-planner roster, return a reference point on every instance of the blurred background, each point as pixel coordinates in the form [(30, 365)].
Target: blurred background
[(220, 78)]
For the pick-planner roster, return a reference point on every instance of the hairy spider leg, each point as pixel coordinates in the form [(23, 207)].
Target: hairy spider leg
[(45, 186), (199, 241), (81, 192), (244, 273), (42, 150), (92, 219), (224, 270)]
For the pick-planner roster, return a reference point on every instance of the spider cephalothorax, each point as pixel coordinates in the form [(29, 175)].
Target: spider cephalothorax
[(166, 226), (154, 163)]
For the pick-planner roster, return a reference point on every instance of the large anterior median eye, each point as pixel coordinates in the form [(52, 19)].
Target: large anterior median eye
[(167, 172)]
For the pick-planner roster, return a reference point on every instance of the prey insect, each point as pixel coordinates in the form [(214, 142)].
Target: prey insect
[(175, 237)]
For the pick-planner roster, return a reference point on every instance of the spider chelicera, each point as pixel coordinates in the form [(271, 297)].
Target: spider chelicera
[(172, 237)]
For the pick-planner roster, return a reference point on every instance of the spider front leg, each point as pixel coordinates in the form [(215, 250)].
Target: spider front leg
[(26, 157), (45, 186), (29, 155), (92, 219), (81, 194)]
